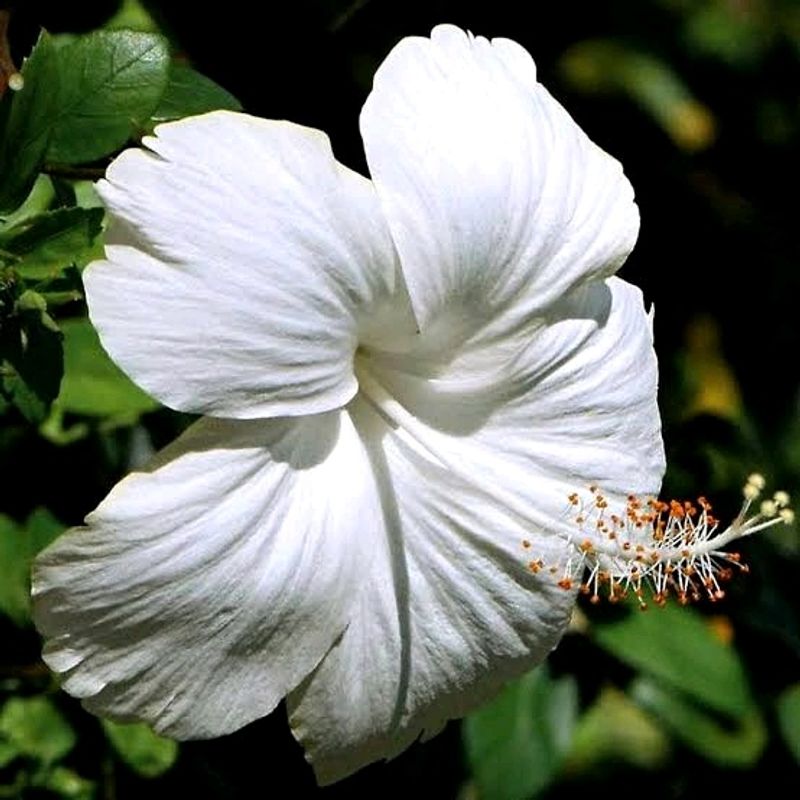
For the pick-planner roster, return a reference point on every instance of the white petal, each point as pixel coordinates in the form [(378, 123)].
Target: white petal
[(447, 614), (205, 589), (242, 257), (450, 611), (587, 399), (574, 399), (497, 201)]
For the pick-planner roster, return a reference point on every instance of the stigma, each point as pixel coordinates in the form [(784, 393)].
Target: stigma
[(656, 549)]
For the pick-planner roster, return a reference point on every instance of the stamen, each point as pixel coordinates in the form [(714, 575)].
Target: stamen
[(667, 549)]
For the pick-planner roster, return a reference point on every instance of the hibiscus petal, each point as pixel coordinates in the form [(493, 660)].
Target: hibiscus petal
[(450, 610), (585, 391), (240, 260), (203, 590), (446, 615), (574, 398), (497, 201)]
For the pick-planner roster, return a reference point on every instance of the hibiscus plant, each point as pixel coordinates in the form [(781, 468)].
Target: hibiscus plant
[(370, 443)]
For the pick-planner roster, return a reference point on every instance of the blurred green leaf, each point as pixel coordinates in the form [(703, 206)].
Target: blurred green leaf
[(739, 745), (18, 547), (516, 744), (35, 728), (26, 118), (56, 431), (131, 16), (144, 751), (188, 92), (15, 390), (7, 753), (67, 783), (710, 382), (92, 383), (47, 242), (616, 729), (112, 82), (41, 528), (789, 718), (733, 34), (14, 583), (676, 645), (605, 65)]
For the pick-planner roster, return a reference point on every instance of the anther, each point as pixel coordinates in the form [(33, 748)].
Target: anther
[(781, 499), (670, 548)]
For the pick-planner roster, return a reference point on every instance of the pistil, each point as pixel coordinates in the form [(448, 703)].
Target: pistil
[(670, 548)]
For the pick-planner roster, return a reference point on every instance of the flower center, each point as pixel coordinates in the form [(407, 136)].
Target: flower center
[(666, 548)]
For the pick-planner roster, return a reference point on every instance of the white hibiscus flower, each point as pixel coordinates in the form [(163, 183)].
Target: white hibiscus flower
[(403, 378)]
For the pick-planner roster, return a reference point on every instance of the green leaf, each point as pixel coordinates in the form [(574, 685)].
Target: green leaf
[(112, 82), (18, 547), (47, 242), (145, 752), (65, 287), (132, 16), (27, 118), (674, 644), (601, 65), (729, 746), (93, 384), (616, 729), (40, 199), (14, 583), (789, 718), (738, 39), (7, 753), (36, 729), (56, 431), (66, 783), (188, 92), (41, 528), (31, 360), (517, 743)]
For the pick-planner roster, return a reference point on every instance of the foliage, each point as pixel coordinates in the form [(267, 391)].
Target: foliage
[(698, 100)]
